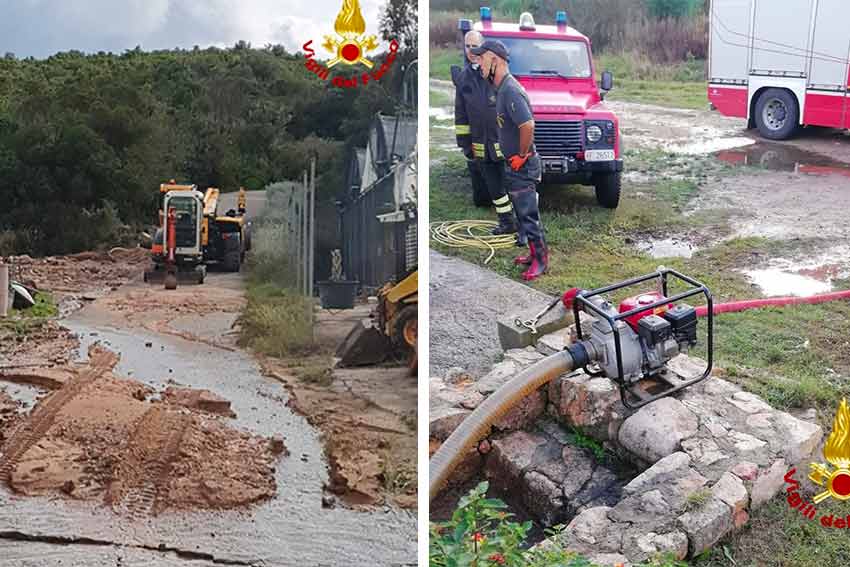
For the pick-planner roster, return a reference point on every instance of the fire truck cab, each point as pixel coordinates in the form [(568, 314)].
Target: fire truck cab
[(576, 135), (780, 64)]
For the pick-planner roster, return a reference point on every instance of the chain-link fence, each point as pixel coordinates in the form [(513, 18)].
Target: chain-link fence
[(283, 239)]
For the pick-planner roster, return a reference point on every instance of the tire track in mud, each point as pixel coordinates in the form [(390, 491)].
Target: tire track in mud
[(31, 430), (145, 471)]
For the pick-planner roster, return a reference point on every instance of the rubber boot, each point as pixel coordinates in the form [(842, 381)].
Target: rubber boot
[(539, 263), (521, 238), (525, 259), (507, 224)]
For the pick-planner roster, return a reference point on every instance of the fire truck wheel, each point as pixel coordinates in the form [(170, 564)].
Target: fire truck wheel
[(607, 189), (777, 114)]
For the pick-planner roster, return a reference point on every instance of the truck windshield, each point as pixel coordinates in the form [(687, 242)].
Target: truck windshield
[(568, 59)]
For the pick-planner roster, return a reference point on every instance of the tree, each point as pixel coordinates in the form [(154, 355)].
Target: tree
[(399, 21)]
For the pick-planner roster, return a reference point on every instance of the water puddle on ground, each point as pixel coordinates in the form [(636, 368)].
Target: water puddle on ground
[(667, 248), (707, 145), (787, 277), (440, 113), (783, 157), (776, 282)]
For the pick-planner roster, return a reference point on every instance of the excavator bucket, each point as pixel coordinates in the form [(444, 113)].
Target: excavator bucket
[(365, 345), (159, 275)]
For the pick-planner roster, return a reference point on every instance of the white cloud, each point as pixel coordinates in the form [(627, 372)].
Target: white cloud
[(43, 27)]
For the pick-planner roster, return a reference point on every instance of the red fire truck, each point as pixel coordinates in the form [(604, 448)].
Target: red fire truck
[(577, 137), (780, 63)]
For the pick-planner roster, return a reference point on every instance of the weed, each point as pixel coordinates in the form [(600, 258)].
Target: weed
[(276, 321), (398, 476), (579, 439), (696, 500), (480, 532), (319, 373)]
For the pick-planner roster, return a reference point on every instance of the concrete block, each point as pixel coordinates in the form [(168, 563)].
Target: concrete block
[(513, 336)]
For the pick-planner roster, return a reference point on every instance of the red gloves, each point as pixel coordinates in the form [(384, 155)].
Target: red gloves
[(517, 161)]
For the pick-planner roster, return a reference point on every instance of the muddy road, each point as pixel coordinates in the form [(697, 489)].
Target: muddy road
[(794, 193), (158, 348), (215, 464)]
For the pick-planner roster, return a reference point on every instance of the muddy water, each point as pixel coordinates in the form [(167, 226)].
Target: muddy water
[(667, 248), (291, 529), (784, 157)]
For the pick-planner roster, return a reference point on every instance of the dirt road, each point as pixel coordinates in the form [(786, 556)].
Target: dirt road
[(171, 346)]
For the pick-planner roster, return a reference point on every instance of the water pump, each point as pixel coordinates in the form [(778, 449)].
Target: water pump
[(632, 343)]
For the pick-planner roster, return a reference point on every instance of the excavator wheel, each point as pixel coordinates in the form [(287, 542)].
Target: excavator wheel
[(405, 332)]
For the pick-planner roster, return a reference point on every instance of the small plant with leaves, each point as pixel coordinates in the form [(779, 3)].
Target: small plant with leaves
[(481, 534)]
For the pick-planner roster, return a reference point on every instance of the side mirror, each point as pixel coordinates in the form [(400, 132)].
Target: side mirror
[(607, 82)]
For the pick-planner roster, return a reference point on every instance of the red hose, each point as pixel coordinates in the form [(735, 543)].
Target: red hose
[(735, 306)]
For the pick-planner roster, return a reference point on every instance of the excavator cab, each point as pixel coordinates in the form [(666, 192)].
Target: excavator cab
[(186, 205)]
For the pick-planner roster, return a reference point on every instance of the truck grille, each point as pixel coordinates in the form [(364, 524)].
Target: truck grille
[(558, 138)]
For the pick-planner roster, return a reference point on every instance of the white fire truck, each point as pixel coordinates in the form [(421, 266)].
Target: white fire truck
[(781, 63)]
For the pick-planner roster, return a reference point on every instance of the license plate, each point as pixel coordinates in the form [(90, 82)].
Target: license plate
[(599, 155)]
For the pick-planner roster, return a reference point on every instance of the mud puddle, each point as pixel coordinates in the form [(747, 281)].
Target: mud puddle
[(788, 277), (784, 157), (292, 527), (670, 247), (440, 113)]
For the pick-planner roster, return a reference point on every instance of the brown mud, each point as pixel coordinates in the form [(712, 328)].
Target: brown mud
[(106, 438), (367, 420)]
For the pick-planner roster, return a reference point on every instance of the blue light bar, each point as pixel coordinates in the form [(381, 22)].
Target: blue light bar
[(485, 13), (561, 18)]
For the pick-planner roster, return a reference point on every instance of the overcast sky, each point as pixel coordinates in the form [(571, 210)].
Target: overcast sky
[(41, 28)]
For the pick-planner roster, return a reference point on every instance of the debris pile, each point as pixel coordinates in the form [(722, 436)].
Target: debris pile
[(102, 437), (78, 273), (31, 343)]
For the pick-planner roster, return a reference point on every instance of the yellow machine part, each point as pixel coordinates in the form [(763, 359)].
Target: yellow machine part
[(166, 187), (211, 201), (405, 289)]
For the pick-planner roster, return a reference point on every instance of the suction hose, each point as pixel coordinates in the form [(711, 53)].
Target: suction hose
[(736, 306), (477, 424)]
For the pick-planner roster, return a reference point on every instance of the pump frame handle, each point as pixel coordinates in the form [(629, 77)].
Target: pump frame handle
[(697, 288)]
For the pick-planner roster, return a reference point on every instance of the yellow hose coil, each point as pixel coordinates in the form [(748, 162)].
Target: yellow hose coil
[(476, 426), (471, 234)]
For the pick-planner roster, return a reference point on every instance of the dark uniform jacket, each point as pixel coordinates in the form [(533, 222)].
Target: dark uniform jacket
[(475, 115)]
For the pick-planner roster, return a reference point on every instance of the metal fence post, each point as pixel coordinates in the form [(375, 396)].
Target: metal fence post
[(312, 263), (4, 290)]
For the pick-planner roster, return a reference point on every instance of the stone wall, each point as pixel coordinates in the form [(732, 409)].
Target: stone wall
[(709, 455)]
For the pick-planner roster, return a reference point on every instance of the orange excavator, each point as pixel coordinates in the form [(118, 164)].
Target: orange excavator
[(191, 235)]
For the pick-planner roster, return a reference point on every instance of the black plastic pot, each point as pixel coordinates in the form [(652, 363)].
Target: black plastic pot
[(337, 294)]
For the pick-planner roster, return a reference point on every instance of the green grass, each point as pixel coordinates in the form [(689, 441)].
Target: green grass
[(439, 98), (793, 357), (276, 321), (697, 499), (635, 80), (441, 62), (22, 322), (781, 354), (778, 536)]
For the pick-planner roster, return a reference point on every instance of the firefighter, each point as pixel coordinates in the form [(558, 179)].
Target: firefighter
[(475, 129), (522, 169)]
